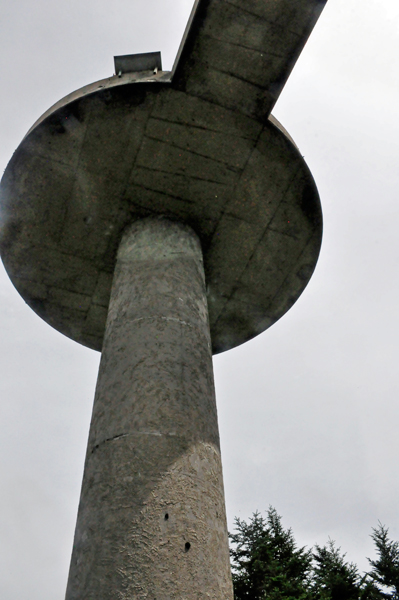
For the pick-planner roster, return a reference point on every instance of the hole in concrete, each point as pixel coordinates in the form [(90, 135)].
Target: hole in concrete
[(187, 546), (166, 516)]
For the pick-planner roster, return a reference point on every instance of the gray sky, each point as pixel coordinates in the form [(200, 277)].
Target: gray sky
[(309, 410)]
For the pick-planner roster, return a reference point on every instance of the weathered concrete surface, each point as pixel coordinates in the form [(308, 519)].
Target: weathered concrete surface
[(240, 53), (195, 145), (151, 521)]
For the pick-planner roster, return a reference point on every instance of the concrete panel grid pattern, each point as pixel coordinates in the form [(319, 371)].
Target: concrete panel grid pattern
[(238, 189)]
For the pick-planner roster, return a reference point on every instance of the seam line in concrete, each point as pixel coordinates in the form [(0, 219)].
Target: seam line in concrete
[(187, 175), (195, 153), (260, 87), (234, 288), (162, 319), (273, 23), (252, 48), (134, 433), (203, 128)]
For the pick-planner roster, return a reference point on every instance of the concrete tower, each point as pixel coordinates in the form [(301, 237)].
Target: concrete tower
[(160, 217)]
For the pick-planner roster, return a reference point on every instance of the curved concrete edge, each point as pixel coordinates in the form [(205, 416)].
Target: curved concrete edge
[(103, 85), (253, 321), (164, 77)]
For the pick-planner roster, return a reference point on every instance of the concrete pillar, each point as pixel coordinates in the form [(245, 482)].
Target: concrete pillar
[(151, 520)]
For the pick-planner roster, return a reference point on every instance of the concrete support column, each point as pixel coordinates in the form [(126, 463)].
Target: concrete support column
[(151, 520)]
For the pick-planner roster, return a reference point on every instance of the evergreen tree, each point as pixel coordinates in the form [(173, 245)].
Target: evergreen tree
[(333, 578), (266, 562), (268, 565), (385, 569)]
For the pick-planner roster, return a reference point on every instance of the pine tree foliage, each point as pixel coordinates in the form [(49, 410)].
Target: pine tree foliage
[(268, 565), (266, 562), (334, 578), (385, 569)]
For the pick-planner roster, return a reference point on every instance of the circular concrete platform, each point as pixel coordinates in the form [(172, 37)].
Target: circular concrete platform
[(136, 146)]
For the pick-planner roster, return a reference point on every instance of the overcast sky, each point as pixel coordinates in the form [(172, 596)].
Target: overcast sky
[(309, 410)]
